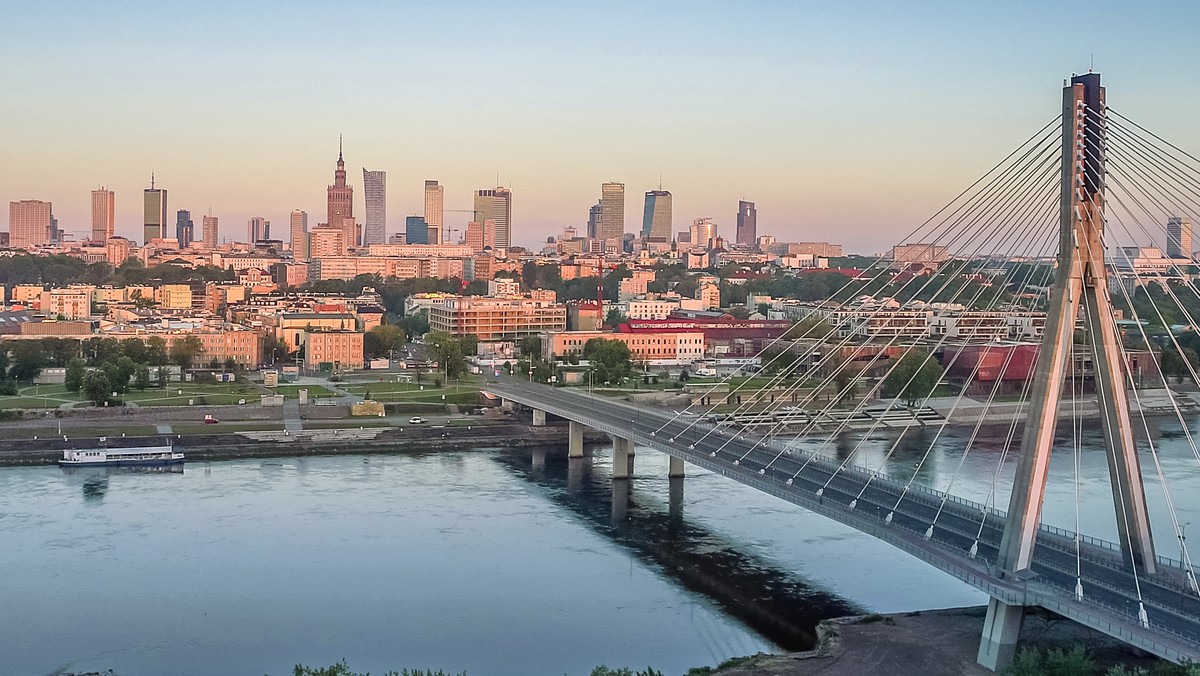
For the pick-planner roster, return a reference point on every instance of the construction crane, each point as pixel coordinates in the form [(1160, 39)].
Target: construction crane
[(446, 231)]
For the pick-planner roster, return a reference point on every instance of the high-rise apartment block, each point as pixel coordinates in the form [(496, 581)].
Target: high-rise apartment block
[(434, 205), (1179, 237), (29, 223), (481, 236), (339, 197), (747, 224), (656, 220), (703, 232), (612, 211), (496, 205), (299, 234), (416, 230), (103, 215), (375, 194), (211, 230), (155, 212), (184, 228), (326, 242), (257, 229)]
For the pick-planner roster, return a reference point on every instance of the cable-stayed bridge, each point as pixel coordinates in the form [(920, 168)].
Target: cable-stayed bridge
[(1020, 292)]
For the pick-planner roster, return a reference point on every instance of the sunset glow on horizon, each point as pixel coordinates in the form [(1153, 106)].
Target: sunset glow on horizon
[(850, 121)]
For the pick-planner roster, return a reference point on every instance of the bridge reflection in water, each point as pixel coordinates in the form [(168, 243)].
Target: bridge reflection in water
[(782, 607)]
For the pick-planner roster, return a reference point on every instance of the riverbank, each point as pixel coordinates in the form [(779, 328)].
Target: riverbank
[(931, 643), (350, 439)]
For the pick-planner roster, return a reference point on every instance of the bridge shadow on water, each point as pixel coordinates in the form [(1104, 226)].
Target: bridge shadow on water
[(782, 607)]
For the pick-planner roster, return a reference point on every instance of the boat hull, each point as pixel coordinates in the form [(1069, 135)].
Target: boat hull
[(151, 462)]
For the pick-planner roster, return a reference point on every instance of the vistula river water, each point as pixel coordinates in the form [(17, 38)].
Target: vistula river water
[(488, 561)]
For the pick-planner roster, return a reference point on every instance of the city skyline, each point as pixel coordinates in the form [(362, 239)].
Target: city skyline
[(802, 151)]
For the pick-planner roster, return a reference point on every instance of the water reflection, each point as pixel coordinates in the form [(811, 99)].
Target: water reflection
[(776, 603), (94, 481)]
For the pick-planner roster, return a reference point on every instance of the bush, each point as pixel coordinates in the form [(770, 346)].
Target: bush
[(1053, 662), (8, 388)]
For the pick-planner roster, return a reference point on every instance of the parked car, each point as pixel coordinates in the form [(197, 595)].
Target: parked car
[(417, 420), (210, 420)]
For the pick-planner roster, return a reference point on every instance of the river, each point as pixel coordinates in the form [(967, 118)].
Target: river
[(489, 561)]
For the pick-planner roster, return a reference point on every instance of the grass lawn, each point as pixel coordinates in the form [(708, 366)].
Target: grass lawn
[(93, 433), (29, 402), (293, 391)]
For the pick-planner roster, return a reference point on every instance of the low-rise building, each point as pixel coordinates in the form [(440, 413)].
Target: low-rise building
[(332, 350), (667, 347), (496, 318)]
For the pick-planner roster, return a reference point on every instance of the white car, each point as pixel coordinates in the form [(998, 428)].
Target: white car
[(417, 420)]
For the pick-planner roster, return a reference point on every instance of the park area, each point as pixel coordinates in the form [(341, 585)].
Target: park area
[(178, 394)]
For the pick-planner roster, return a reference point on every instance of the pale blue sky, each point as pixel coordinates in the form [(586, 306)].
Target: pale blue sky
[(858, 119)]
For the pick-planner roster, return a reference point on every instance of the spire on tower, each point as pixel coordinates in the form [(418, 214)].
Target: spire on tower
[(339, 147), (152, 180)]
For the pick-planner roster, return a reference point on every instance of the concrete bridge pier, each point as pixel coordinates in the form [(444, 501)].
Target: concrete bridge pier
[(675, 498), (577, 469), (539, 418), (574, 440), (622, 458), (620, 500), (1000, 630), (674, 467), (506, 404)]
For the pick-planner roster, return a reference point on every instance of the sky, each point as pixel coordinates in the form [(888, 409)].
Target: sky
[(849, 122)]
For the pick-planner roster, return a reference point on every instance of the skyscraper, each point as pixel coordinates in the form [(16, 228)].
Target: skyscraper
[(375, 194), (1179, 237), (593, 225), (612, 211), (103, 220), (29, 223), (257, 229), (481, 236), (416, 230), (184, 228), (339, 196), (155, 211), (656, 220), (299, 234), (747, 224), (702, 233), (496, 205), (211, 230), (434, 202)]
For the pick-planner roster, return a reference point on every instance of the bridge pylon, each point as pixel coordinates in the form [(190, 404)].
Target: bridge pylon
[(1080, 286)]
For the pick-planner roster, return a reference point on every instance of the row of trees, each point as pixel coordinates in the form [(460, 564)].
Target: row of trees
[(100, 383), (60, 270)]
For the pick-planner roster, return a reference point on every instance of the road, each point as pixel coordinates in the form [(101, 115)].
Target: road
[(1110, 601)]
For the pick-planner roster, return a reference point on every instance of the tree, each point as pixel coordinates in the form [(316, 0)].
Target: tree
[(914, 378), (611, 360), (449, 354), (27, 361), (185, 351), (117, 379), (470, 344), (382, 339), (141, 377), (76, 370), (740, 312), (416, 324), (156, 351), (531, 346), (614, 316), (163, 376), (274, 349), (96, 387)]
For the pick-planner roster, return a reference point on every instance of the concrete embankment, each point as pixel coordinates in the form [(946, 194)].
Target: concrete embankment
[(931, 643), (200, 447)]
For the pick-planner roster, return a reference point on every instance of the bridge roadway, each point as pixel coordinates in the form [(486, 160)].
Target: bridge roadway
[(1110, 602)]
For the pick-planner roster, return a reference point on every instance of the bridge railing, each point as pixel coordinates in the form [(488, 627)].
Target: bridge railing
[(937, 496)]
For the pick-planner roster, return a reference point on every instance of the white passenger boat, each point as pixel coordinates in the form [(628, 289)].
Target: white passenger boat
[(122, 457)]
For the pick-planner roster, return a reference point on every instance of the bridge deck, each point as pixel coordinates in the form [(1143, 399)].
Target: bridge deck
[(1110, 603)]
